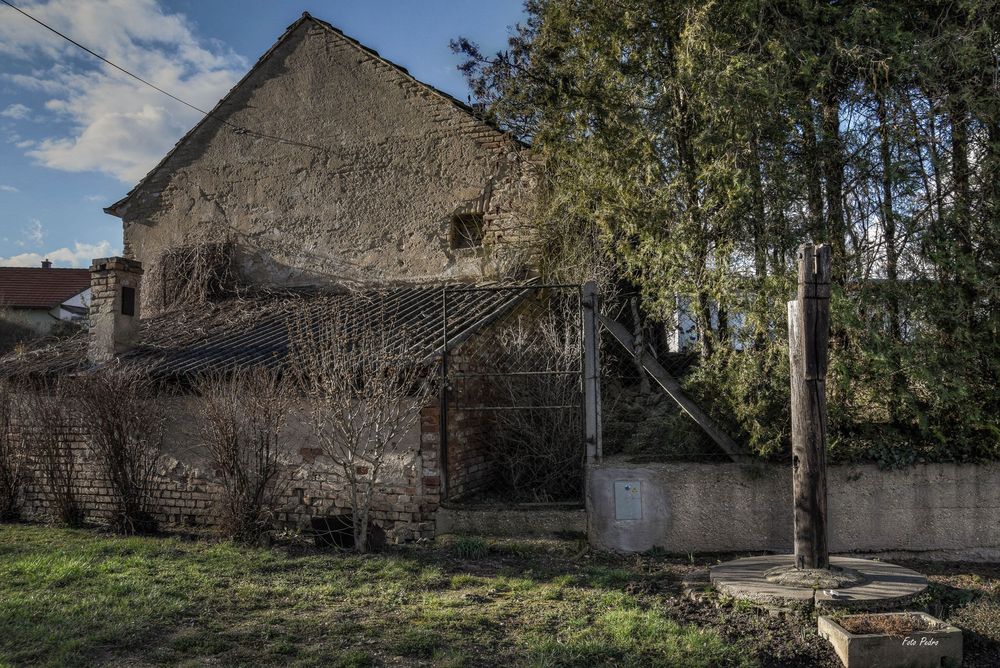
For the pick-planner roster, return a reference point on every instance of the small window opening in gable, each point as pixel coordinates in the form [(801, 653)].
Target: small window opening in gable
[(128, 301), (466, 231)]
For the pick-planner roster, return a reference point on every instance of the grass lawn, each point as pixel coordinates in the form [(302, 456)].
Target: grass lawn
[(74, 597)]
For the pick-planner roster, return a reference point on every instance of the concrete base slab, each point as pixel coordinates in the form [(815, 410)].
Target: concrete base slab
[(879, 585)]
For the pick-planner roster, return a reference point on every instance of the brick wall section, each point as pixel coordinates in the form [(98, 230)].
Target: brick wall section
[(470, 466), (186, 490), (111, 331)]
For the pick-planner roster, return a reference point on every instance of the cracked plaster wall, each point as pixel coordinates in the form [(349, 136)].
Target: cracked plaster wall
[(372, 202)]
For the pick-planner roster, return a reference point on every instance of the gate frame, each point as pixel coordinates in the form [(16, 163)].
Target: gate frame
[(447, 345)]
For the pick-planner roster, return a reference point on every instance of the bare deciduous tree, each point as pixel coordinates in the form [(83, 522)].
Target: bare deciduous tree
[(244, 412), (13, 454), (125, 423), (365, 393), (45, 418)]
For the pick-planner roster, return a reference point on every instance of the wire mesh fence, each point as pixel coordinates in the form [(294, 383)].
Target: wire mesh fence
[(512, 400)]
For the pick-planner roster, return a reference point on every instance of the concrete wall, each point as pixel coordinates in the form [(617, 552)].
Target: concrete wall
[(374, 202), (937, 510)]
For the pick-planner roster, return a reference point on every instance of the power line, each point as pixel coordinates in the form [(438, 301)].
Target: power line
[(239, 129)]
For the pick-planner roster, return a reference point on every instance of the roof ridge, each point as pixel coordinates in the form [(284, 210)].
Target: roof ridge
[(80, 269)]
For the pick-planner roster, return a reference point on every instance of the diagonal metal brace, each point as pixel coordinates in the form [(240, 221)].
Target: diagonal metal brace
[(673, 389)]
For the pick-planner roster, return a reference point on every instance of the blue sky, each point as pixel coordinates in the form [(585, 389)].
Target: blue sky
[(75, 135)]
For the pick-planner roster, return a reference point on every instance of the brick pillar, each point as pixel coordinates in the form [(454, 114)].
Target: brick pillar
[(114, 307)]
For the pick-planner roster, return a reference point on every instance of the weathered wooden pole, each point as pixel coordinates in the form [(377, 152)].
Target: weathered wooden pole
[(808, 338)]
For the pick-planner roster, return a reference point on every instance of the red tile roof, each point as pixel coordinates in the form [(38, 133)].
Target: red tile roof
[(35, 287)]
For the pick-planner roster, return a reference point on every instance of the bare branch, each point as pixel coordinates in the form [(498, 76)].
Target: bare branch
[(125, 424), (244, 413), (365, 394)]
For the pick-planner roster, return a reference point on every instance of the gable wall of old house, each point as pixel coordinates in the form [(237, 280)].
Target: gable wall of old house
[(374, 201)]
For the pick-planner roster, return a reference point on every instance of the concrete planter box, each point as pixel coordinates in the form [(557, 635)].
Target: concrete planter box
[(938, 646)]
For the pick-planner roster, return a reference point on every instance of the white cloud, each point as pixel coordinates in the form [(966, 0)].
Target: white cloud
[(79, 256), (16, 111), (35, 234), (118, 126), (8, 189), (94, 198)]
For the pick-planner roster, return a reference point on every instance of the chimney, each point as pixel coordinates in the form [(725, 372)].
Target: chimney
[(46, 263), (114, 307)]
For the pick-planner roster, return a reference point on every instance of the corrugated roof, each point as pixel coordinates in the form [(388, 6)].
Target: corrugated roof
[(241, 332), (39, 288)]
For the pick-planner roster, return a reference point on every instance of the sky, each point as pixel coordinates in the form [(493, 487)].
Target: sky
[(76, 135)]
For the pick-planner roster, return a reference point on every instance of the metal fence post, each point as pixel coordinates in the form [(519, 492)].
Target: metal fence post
[(443, 406), (591, 372)]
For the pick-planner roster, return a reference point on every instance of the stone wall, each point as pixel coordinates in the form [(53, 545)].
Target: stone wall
[(187, 488), (932, 510), (389, 163)]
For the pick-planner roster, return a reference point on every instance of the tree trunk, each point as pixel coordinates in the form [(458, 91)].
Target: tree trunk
[(640, 350), (833, 172), (960, 173), (703, 319), (814, 187), (761, 237), (891, 259), (962, 214)]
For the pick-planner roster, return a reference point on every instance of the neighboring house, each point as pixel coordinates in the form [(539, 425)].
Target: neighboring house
[(41, 299), (326, 167)]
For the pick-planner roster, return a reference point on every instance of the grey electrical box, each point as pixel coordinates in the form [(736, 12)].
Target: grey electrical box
[(628, 500)]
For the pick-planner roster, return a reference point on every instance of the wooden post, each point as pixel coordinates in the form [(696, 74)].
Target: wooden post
[(808, 338), (591, 372)]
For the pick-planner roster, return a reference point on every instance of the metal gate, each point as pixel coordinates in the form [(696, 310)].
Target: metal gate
[(512, 393)]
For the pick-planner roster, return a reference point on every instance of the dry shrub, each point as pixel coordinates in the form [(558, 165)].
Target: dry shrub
[(539, 437), (13, 454), (244, 412), (365, 393), (897, 625), (125, 424), (45, 418), (980, 620), (192, 274)]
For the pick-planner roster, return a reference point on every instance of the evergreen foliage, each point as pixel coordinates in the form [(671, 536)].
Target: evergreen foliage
[(691, 146)]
